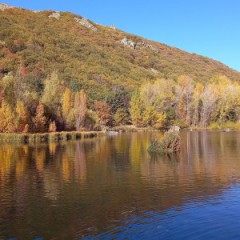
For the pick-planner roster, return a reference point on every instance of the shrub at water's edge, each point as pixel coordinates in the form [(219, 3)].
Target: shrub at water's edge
[(168, 144)]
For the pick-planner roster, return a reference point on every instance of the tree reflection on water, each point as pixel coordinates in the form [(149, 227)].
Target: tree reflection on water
[(83, 187)]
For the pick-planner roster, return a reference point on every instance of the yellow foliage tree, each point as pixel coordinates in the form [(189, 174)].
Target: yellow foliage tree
[(66, 102), (184, 93), (7, 118), (22, 116), (53, 92), (196, 104), (40, 120), (121, 116), (80, 109), (52, 127), (67, 107), (136, 110)]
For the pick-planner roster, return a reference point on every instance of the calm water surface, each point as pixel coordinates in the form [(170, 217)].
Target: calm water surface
[(112, 188)]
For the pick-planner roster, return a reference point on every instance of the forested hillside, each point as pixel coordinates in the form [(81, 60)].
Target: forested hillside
[(61, 71)]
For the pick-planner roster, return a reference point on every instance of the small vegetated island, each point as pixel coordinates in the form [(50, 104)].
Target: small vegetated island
[(170, 143), (62, 72)]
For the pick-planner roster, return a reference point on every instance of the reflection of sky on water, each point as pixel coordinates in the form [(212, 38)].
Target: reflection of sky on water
[(214, 218)]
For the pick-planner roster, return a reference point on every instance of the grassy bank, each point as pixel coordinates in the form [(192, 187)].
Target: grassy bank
[(226, 125), (66, 136), (47, 137), (63, 136)]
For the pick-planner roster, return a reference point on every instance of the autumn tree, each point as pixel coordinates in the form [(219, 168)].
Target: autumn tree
[(7, 118), (2, 95), (136, 109), (121, 116), (52, 127), (67, 110), (66, 103), (80, 109), (20, 85), (103, 111), (149, 104), (118, 99), (40, 120), (153, 118), (92, 121), (184, 94), (21, 116), (196, 103), (228, 104), (8, 88), (209, 99), (53, 91)]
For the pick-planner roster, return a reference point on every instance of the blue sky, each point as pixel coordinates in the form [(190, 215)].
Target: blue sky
[(207, 27)]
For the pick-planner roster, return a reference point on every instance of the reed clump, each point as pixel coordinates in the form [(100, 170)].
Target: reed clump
[(170, 143)]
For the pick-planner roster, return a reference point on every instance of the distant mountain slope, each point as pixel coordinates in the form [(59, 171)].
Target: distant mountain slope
[(89, 55)]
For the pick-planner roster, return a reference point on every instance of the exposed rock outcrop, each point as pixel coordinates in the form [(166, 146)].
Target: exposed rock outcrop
[(85, 23), (154, 71), (113, 27), (128, 43), (131, 44), (4, 6), (147, 45), (56, 15)]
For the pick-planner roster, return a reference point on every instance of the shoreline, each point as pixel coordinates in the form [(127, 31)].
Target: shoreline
[(47, 137), (64, 136), (76, 135)]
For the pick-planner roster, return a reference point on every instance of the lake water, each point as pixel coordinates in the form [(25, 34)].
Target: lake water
[(112, 188)]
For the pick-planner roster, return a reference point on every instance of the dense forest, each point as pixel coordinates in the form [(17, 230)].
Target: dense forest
[(59, 71)]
